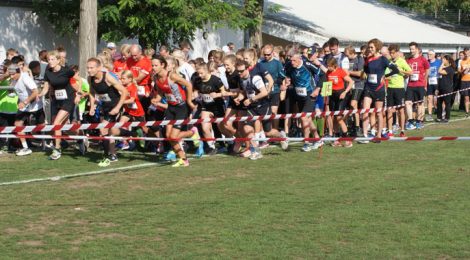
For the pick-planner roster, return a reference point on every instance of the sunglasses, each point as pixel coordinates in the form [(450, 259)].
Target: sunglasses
[(241, 71), (267, 54)]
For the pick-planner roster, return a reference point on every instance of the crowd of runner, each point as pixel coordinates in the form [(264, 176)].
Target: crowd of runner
[(132, 84)]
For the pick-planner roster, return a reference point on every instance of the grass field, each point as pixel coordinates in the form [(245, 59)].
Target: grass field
[(378, 201)]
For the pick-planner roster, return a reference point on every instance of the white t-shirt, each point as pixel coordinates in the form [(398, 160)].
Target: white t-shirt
[(24, 86), (187, 70)]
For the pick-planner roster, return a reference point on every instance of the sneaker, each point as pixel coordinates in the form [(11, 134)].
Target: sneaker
[(336, 144), (347, 144), (444, 121), (170, 156), (327, 136), (113, 158), (428, 118), (284, 144), (466, 115), (140, 133), (23, 152), (419, 125), (56, 153), (306, 148), (181, 163), (104, 163), (366, 141), (263, 145), (255, 156), (125, 146), (200, 150), (410, 126), (402, 134), (246, 153), (195, 136), (390, 135), (385, 134), (212, 151), (317, 145)]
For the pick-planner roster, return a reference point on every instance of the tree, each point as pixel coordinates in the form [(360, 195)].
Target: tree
[(152, 21), (88, 32)]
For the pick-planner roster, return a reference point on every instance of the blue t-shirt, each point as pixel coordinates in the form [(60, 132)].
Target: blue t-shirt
[(434, 69), (375, 69), (276, 70), (301, 78)]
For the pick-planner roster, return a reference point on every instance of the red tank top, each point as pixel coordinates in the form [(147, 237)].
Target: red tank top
[(174, 93)]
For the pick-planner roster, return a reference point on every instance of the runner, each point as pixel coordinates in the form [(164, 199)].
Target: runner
[(434, 66), (212, 91), (416, 87), (396, 90), (464, 69), (140, 67), (110, 92), (356, 72), (120, 65), (64, 95), (374, 89), (170, 85), (447, 71), (29, 105)]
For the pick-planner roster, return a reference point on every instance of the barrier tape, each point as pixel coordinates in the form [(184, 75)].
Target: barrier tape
[(275, 139), (75, 127)]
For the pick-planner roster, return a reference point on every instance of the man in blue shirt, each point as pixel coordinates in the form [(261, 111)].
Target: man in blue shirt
[(434, 64)]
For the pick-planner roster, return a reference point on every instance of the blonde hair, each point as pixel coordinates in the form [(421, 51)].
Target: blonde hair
[(128, 74), (54, 53), (174, 61), (125, 48), (106, 60)]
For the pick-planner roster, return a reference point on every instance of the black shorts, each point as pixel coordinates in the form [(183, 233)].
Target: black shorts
[(375, 95), (179, 112), (395, 97), (67, 105), (464, 85), (262, 110), (275, 99), (335, 103), (7, 119), (217, 110), (414, 94), (306, 105), (105, 116), (156, 115), (36, 117), (232, 105), (431, 90), (357, 94), (134, 118)]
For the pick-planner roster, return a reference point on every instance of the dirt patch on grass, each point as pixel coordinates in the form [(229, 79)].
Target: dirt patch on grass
[(11, 231), (31, 243)]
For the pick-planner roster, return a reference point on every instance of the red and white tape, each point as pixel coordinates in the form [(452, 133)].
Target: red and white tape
[(75, 127), (275, 139)]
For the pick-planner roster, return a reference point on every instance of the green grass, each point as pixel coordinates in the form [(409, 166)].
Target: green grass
[(377, 201)]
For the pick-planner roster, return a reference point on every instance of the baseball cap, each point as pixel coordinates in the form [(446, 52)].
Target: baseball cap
[(312, 50), (111, 45)]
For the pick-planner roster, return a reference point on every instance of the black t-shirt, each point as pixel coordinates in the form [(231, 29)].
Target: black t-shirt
[(60, 81), (447, 81), (233, 80), (213, 85)]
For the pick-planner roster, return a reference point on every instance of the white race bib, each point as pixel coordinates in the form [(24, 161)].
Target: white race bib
[(103, 97), (170, 97), (132, 106), (207, 98), (414, 77), (372, 79), (60, 94), (301, 92), (141, 90), (433, 81)]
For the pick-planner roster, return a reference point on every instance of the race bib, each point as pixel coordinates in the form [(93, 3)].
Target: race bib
[(170, 97), (141, 90), (414, 77), (327, 89), (132, 106), (207, 98), (372, 79), (433, 81), (60, 94), (301, 92), (103, 97)]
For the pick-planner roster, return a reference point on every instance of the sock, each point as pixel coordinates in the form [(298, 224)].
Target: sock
[(24, 143), (257, 135)]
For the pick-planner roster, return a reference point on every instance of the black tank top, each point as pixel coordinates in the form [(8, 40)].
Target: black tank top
[(108, 95)]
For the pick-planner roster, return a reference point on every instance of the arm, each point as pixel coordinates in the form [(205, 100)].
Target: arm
[(30, 84), (270, 80), (122, 90), (45, 89), (394, 70), (350, 86)]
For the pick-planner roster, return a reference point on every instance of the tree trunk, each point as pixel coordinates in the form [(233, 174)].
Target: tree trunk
[(88, 32), (256, 34)]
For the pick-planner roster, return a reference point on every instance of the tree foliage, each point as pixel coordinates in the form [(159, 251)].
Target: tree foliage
[(153, 21)]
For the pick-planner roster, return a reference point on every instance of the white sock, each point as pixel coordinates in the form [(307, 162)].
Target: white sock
[(257, 135), (24, 143)]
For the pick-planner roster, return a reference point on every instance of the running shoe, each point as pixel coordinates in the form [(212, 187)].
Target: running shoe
[(263, 145), (317, 145), (181, 163), (389, 134), (419, 125), (284, 144), (347, 144), (255, 156), (466, 115), (444, 121), (195, 136), (125, 146), (306, 148), (336, 144), (56, 153), (410, 126), (23, 152), (170, 156), (104, 163), (200, 150), (428, 118), (113, 158), (212, 151), (246, 153)]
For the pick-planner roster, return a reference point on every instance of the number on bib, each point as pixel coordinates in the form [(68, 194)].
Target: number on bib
[(372, 79), (141, 90), (60, 94), (207, 98), (414, 77), (433, 81), (301, 92)]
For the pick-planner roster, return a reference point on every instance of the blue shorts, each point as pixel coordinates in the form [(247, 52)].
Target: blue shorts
[(320, 103)]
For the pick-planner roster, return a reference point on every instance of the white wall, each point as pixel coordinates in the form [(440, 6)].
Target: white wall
[(216, 40)]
